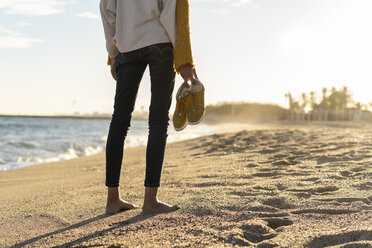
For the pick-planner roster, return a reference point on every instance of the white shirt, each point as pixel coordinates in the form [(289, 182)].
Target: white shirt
[(133, 24)]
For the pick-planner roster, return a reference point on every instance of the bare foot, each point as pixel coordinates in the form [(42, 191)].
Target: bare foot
[(119, 205), (158, 207)]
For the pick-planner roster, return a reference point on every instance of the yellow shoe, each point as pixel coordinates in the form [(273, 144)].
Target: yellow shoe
[(196, 111), (179, 116)]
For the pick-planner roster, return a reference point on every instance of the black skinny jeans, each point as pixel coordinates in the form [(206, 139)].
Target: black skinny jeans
[(130, 69)]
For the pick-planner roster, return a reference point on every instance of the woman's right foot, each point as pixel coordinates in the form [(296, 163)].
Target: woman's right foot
[(118, 206), (158, 207)]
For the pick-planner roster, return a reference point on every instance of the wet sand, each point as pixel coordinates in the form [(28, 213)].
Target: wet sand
[(277, 185)]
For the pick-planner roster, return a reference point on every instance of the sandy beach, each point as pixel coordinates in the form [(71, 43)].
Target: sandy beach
[(277, 185)]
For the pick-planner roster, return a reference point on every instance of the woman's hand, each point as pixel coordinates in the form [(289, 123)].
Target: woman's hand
[(113, 68), (187, 72)]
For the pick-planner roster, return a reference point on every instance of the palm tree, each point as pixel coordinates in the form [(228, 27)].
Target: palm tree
[(313, 104), (290, 106), (295, 106), (334, 100), (290, 100), (344, 97), (304, 102), (324, 102), (313, 100)]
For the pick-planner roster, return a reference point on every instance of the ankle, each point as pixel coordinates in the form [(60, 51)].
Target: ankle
[(151, 196), (113, 200), (113, 194), (150, 202)]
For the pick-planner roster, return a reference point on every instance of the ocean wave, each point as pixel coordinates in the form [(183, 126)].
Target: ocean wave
[(84, 139), (77, 150), (91, 150), (70, 153), (29, 144), (135, 141), (35, 160), (25, 144)]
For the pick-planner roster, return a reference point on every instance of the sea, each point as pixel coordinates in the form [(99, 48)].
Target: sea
[(26, 141)]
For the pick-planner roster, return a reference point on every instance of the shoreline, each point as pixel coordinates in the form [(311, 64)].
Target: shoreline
[(33, 151), (229, 127), (220, 129)]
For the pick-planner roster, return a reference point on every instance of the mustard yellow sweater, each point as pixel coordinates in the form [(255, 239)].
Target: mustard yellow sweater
[(182, 50)]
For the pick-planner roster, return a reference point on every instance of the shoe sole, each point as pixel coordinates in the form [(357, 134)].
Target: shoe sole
[(197, 122), (180, 128)]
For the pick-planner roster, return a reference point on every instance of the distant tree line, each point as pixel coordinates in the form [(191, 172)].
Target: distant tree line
[(243, 111), (332, 103), (332, 99)]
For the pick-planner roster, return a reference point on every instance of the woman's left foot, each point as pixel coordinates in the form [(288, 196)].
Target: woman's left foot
[(158, 207)]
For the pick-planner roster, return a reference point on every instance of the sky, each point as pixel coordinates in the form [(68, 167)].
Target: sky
[(53, 57)]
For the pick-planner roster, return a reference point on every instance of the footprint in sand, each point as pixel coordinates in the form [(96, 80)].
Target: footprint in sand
[(303, 195), (268, 151), (198, 146), (251, 232), (364, 186), (267, 174), (261, 208), (282, 162), (301, 153), (358, 169), (278, 202), (210, 184), (276, 147), (278, 156), (318, 190), (208, 176), (257, 233), (312, 179), (275, 223), (324, 211), (252, 165), (273, 214), (346, 173), (347, 239), (327, 159), (281, 186), (347, 200), (297, 174), (266, 188)]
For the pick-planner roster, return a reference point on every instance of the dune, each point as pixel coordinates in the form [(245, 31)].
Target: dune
[(275, 185)]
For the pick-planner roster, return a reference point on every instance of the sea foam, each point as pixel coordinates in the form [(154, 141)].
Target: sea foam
[(29, 141)]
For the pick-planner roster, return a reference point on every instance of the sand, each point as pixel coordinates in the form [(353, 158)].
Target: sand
[(282, 185)]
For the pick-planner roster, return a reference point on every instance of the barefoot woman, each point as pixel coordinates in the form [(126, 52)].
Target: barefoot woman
[(140, 33)]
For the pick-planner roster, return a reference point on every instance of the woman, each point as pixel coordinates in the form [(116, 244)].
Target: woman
[(140, 33)]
